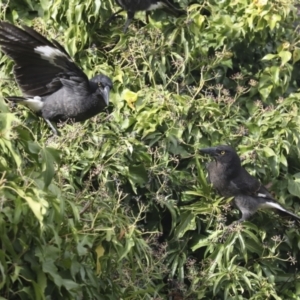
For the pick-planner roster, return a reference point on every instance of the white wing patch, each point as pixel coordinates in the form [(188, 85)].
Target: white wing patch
[(49, 53), (262, 195), (34, 104), (156, 6)]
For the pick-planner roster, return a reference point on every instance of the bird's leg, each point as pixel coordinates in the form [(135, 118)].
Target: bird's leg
[(247, 205), (52, 127), (147, 16), (112, 17), (245, 216), (130, 16)]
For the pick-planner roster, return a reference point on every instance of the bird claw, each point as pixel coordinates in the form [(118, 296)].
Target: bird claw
[(54, 130)]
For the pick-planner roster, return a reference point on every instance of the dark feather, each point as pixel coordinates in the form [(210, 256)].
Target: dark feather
[(52, 84)]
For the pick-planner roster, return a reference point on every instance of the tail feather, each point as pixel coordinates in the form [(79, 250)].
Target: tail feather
[(15, 99), (279, 207), (35, 103)]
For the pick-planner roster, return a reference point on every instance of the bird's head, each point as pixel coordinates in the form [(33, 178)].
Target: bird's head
[(223, 154), (104, 84)]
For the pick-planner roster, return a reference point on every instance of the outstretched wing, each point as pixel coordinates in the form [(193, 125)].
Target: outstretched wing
[(40, 64)]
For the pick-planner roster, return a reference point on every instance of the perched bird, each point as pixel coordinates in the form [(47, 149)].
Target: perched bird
[(52, 84), (133, 6), (230, 179)]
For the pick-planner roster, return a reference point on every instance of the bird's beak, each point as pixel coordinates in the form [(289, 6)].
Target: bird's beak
[(212, 151), (106, 91)]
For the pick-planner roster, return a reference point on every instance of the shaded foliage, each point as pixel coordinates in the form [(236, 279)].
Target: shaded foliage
[(118, 206)]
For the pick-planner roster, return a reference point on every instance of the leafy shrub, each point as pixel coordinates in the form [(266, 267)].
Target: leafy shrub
[(118, 206)]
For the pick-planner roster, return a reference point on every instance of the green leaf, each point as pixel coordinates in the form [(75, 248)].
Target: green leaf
[(137, 175), (49, 157), (296, 55), (269, 56), (269, 152), (187, 222), (285, 57), (294, 187)]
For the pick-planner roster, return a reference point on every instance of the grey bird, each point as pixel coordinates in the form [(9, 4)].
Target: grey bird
[(133, 6), (53, 86), (230, 179)]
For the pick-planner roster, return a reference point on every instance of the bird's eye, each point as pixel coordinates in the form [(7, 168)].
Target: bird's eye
[(222, 152), (100, 84)]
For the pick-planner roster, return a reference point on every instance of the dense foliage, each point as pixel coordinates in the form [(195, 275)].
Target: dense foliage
[(118, 207)]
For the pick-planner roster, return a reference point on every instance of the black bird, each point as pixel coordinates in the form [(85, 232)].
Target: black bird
[(52, 84), (230, 179), (133, 6)]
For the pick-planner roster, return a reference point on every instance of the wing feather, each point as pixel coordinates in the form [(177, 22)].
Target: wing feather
[(39, 63), (249, 185)]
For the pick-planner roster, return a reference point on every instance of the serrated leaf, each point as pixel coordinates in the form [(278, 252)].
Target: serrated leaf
[(130, 97)]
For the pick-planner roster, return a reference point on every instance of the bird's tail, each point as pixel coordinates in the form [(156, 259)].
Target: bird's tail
[(170, 8), (34, 103), (279, 207), (15, 99)]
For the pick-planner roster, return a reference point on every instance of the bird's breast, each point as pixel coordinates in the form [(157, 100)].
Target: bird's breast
[(219, 180)]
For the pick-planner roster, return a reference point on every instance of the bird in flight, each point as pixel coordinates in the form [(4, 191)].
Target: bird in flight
[(53, 86)]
